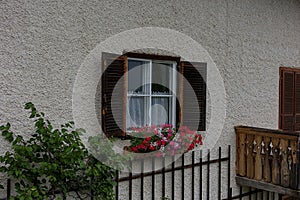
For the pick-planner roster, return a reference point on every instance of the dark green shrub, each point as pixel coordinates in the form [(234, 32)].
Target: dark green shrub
[(55, 161)]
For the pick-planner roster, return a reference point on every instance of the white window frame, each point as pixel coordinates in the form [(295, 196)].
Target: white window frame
[(172, 83)]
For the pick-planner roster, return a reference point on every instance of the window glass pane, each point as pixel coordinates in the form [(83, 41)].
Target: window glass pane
[(161, 78), (138, 74), (160, 110), (137, 111)]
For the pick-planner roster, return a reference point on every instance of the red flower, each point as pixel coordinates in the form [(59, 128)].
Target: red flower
[(135, 149), (192, 146), (158, 142), (152, 148)]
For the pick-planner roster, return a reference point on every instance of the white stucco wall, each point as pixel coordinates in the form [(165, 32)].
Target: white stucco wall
[(43, 45)]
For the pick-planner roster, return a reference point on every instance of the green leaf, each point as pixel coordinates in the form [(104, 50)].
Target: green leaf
[(8, 135), (18, 140), (33, 112), (5, 128), (28, 105), (17, 185), (3, 169)]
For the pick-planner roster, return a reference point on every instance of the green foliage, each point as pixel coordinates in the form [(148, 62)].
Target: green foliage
[(53, 161)]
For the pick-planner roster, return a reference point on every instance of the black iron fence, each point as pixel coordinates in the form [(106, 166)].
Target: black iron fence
[(200, 186), (200, 189)]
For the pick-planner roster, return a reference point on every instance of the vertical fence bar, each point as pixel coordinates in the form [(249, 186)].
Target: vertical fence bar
[(8, 188), (130, 181), (219, 174), (163, 177), (208, 173), (153, 178), (182, 177), (92, 191), (228, 168), (200, 176), (117, 185), (241, 192), (230, 193), (142, 179), (193, 174), (173, 177), (256, 194), (262, 195), (250, 195)]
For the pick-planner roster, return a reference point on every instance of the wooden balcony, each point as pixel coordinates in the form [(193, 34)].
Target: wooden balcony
[(268, 159)]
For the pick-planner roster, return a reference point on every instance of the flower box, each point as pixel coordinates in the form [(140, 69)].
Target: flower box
[(162, 140)]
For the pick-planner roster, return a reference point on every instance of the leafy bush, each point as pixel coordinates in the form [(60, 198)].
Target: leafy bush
[(55, 161)]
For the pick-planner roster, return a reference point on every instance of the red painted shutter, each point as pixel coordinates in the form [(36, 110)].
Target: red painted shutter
[(113, 95), (193, 111)]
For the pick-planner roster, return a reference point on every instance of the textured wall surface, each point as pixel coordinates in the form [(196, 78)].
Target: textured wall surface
[(44, 43)]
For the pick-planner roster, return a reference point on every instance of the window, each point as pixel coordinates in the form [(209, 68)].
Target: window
[(289, 99), (151, 93), (142, 89)]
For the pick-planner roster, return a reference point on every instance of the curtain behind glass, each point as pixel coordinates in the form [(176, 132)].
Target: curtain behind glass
[(160, 110), (135, 112)]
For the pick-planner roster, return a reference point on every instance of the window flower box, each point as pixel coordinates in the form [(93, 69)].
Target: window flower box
[(163, 140)]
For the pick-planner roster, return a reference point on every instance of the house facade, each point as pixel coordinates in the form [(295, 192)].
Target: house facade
[(52, 55)]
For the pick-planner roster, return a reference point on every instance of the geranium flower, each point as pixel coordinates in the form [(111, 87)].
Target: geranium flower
[(165, 139)]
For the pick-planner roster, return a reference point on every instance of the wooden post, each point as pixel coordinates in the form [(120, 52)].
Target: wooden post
[(241, 159), (249, 149), (267, 167), (293, 177), (276, 162), (257, 158), (285, 173)]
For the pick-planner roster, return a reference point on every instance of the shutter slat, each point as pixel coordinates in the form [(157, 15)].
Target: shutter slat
[(193, 110)]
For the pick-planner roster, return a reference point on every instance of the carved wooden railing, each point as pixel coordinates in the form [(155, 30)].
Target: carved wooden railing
[(269, 156)]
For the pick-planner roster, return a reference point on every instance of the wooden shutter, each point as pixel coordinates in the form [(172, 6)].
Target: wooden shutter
[(297, 100), (193, 113), (113, 95), (289, 103)]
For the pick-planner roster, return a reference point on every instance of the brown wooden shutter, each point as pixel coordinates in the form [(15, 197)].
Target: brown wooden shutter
[(289, 103), (113, 110), (194, 74), (297, 101)]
